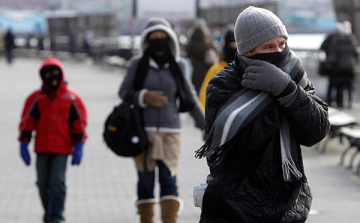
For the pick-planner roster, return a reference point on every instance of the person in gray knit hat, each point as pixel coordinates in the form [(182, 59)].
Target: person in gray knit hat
[(254, 26), (259, 110)]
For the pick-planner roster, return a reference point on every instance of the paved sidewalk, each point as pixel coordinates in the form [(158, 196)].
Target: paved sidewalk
[(102, 189)]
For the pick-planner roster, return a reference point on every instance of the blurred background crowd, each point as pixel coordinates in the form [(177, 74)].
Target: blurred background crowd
[(108, 31), (101, 28)]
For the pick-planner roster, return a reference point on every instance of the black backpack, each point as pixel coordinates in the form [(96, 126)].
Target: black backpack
[(124, 131)]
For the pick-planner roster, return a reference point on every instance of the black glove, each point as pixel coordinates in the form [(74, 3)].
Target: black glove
[(261, 75)]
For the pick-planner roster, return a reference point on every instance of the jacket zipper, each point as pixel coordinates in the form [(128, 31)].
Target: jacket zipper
[(52, 98)]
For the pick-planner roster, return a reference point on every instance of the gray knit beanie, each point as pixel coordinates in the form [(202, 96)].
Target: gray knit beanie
[(255, 26)]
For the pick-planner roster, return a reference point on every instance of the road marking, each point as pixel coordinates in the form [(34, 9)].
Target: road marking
[(314, 212)]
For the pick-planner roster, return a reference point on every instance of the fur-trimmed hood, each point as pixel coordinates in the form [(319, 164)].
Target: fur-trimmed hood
[(157, 23)]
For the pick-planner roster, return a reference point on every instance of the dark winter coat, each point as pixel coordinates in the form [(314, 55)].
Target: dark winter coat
[(196, 50), (9, 41), (346, 55), (248, 185), (342, 56)]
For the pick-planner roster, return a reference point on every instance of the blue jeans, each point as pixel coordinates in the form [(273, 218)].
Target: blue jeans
[(146, 183), (51, 170)]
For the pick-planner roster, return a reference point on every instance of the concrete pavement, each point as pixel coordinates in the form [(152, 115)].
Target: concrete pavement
[(103, 188)]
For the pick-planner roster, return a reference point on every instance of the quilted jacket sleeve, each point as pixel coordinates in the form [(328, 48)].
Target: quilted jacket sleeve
[(308, 117)]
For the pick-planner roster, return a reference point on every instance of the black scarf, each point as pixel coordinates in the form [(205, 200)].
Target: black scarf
[(275, 58), (142, 70)]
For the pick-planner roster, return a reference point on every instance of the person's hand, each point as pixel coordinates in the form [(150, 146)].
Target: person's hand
[(24, 152), (155, 99), (261, 75), (77, 154), (204, 136)]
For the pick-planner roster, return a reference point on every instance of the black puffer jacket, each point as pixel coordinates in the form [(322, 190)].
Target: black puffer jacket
[(248, 186)]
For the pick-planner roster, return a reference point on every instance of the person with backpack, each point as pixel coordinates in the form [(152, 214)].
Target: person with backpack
[(59, 117), (345, 69), (342, 57), (163, 89)]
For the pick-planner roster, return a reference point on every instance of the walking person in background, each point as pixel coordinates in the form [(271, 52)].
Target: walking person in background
[(341, 56), (59, 117), (259, 110), (40, 45), (327, 46), (228, 54), (164, 81), (88, 37), (344, 65), (2, 42), (201, 52), (72, 42), (9, 45)]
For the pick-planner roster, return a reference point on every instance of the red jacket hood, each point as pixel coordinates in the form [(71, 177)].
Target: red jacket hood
[(50, 61)]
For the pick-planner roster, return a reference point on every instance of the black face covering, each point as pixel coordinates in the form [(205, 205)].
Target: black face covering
[(49, 74), (273, 58), (159, 45), (162, 59)]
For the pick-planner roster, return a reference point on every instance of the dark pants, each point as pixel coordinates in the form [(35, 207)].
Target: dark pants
[(9, 55), (339, 93), (146, 183), (331, 87), (51, 183)]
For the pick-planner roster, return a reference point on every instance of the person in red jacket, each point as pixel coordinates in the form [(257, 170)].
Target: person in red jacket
[(59, 117)]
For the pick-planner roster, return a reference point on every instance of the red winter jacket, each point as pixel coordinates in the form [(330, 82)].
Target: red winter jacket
[(58, 117)]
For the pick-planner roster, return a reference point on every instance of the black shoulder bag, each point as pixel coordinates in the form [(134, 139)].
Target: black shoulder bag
[(124, 131)]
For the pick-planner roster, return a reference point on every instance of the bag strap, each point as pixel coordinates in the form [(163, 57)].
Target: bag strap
[(140, 75), (141, 71)]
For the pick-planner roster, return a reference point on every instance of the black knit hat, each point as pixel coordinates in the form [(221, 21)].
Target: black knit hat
[(229, 36)]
